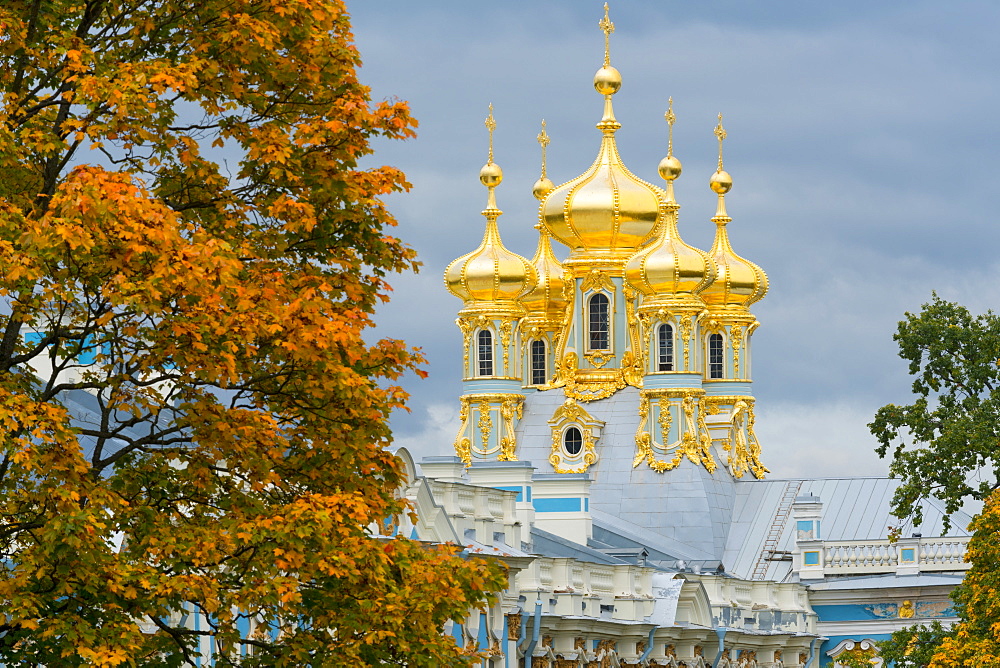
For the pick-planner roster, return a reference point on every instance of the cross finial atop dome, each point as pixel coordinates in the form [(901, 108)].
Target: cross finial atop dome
[(608, 27), (543, 186), (671, 118), (720, 132), (491, 175), (491, 125), (721, 182)]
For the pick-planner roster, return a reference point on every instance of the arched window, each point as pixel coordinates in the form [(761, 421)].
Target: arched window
[(600, 331), (484, 353), (665, 348), (573, 441), (715, 363), (538, 371)]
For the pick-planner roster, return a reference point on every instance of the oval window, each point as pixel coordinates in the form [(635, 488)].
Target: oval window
[(573, 441)]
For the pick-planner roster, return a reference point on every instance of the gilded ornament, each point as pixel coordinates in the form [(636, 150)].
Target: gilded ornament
[(573, 414), (598, 358), (632, 369), (694, 442), (743, 446), (735, 339), (705, 439), (514, 626), (463, 448), (511, 408), (687, 326), (506, 328), (906, 610), (664, 420), (485, 426), (597, 280), (566, 367)]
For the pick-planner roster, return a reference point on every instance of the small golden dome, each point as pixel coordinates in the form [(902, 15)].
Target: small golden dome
[(669, 266), (547, 298), (491, 273), (738, 282)]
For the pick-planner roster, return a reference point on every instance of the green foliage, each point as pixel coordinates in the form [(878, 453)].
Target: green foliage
[(952, 429), (913, 646)]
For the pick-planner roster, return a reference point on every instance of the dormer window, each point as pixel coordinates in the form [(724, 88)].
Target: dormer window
[(665, 348), (599, 331), (484, 352), (715, 360)]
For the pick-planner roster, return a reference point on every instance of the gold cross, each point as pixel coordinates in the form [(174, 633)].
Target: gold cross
[(491, 125), (720, 132), (608, 27), (543, 139), (671, 119)]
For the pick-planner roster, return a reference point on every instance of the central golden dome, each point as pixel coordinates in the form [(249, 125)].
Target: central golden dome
[(607, 209)]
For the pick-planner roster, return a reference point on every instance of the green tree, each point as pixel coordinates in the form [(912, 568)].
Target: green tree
[(913, 646), (191, 419), (950, 433)]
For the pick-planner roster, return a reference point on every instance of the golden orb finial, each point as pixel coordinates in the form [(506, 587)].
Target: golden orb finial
[(491, 175), (670, 167), (721, 182), (543, 186), (608, 80)]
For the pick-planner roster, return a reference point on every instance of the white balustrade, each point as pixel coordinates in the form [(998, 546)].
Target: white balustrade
[(881, 556)]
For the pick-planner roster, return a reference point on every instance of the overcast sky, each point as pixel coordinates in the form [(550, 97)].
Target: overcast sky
[(861, 142)]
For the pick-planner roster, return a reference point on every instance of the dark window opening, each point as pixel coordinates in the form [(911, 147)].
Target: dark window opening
[(485, 352), (538, 375), (600, 330), (715, 363), (665, 348), (573, 441)]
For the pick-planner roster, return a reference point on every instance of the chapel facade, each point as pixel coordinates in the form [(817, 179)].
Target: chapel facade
[(607, 405)]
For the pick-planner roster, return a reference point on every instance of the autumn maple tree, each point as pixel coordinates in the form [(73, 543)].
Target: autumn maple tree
[(193, 446)]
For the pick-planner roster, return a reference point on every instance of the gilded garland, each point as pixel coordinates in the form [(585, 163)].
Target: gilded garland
[(741, 442), (510, 408), (694, 441)]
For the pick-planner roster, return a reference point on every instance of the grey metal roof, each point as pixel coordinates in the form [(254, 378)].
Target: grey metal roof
[(890, 581), (550, 545), (684, 512), (853, 509)]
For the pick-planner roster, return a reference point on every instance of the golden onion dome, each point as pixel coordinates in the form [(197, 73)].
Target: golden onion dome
[(607, 208), (738, 282), (547, 297), (491, 273), (669, 266)]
